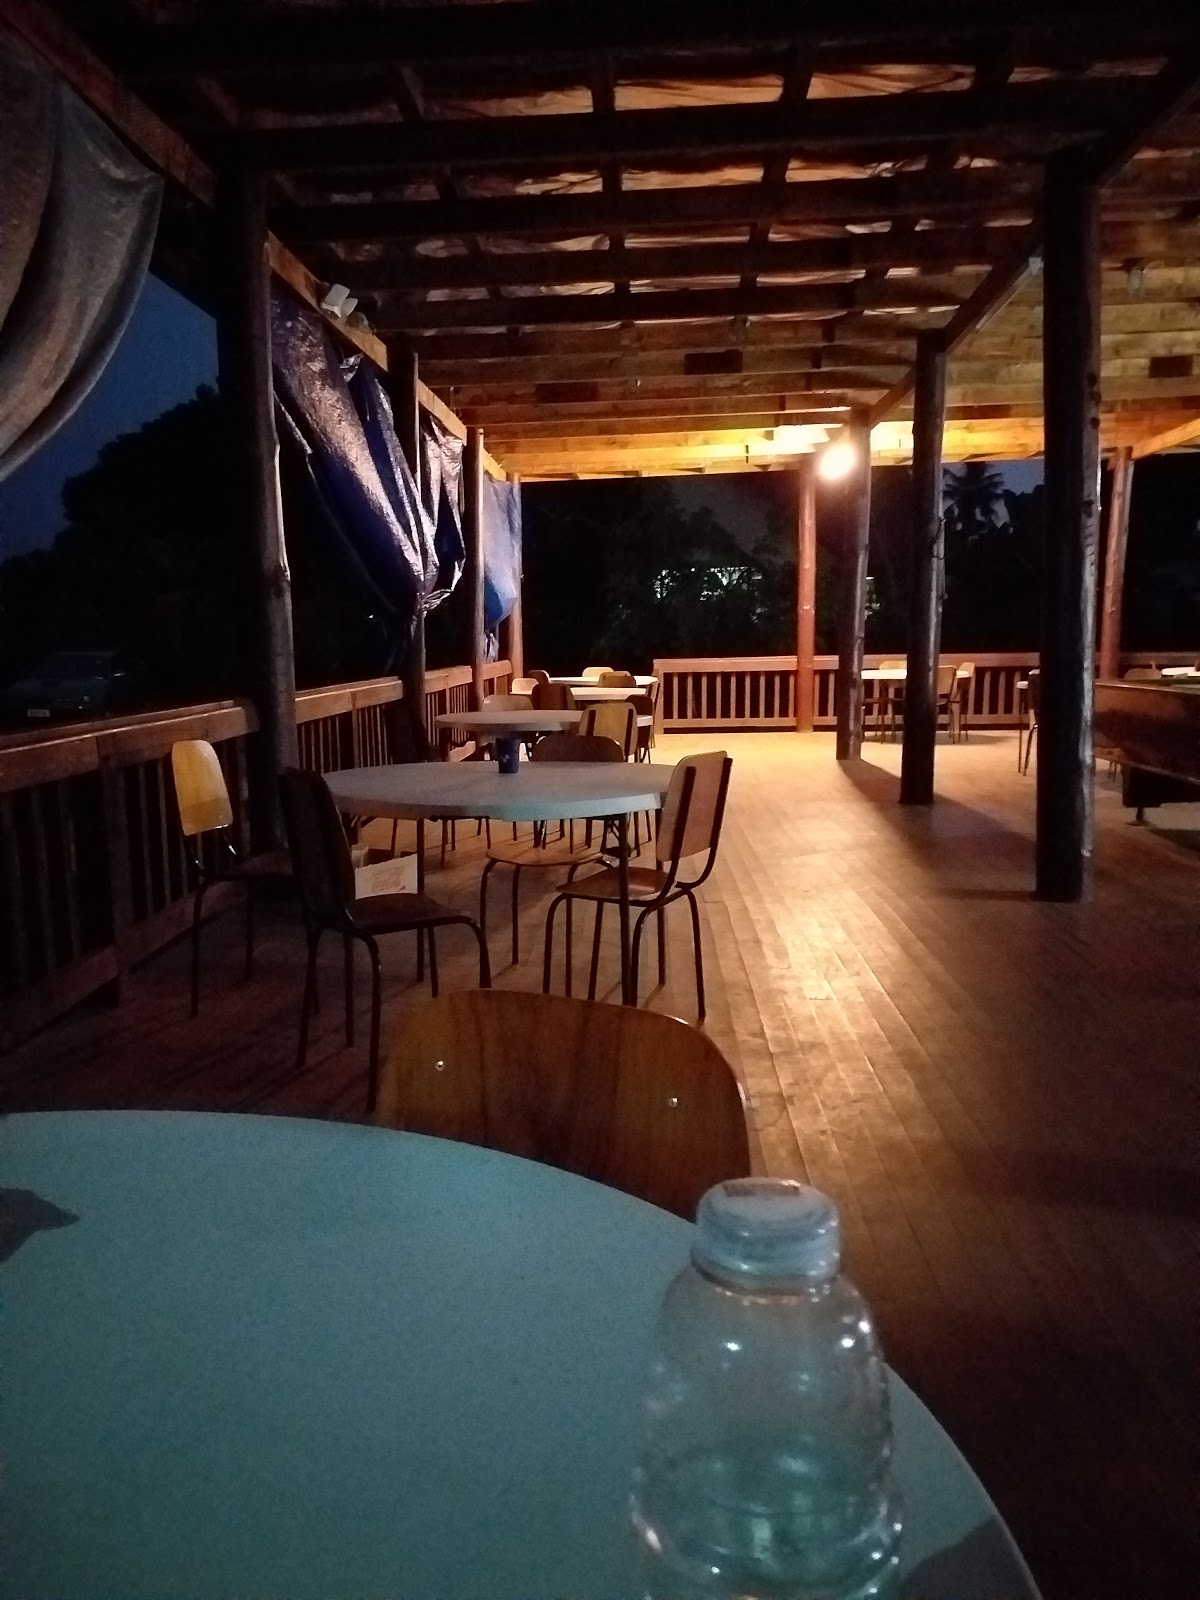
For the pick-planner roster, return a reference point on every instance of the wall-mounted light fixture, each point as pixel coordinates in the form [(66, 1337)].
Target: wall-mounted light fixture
[(838, 460), (338, 301)]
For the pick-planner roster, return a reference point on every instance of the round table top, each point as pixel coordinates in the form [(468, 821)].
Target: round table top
[(539, 791), (643, 680), (498, 723), (271, 1356), (585, 692), (1180, 672), (897, 674)]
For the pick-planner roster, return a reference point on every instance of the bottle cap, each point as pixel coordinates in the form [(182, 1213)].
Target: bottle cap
[(767, 1230)]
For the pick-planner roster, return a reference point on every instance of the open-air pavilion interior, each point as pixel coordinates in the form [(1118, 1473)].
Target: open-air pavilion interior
[(955, 984)]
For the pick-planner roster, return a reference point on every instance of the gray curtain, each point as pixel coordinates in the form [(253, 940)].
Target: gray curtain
[(78, 215)]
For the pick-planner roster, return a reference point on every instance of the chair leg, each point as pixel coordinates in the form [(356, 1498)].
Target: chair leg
[(376, 1008), (433, 972), (197, 908), (483, 887), (249, 931), (635, 955), (310, 985), (595, 970), (516, 955), (549, 949), (348, 974), (662, 945), (695, 910), (570, 950), (485, 965)]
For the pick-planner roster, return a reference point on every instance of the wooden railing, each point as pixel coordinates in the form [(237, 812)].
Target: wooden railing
[(93, 875), (756, 692)]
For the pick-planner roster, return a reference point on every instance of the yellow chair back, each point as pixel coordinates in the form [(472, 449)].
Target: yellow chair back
[(200, 789)]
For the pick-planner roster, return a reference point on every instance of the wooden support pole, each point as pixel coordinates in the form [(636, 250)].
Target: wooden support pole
[(852, 600), (473, 537), (1116, 536), (402, 380), (1071, 354), (244, 360), (806, 593), (927, 580), (512, 629)]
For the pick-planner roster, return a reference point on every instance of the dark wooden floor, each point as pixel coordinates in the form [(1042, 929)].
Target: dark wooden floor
[(998, 1093)]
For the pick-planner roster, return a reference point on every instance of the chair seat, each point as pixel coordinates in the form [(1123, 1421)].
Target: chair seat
[(273, 864), (525, 853), (645, 883), (384, 913)]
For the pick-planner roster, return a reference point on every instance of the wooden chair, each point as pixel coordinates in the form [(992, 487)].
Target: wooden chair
[(524, 686), (507, 702), (633, 1099), (1033, 697), (690, 826), (881, 708), (538, 676), (945, 691), (204, 810), (594, 674), (325, 875), (1142, 675), (617, 680), (536, 852), (553, 697), (612, 719), (646, 705)]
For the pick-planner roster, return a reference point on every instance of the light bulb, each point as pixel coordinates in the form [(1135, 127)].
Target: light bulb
[(837, 461)]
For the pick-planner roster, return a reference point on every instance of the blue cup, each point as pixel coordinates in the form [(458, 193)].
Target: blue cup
[(508, 755)]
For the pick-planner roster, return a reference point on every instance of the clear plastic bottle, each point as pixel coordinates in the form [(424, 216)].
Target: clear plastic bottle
[(764, 1469)]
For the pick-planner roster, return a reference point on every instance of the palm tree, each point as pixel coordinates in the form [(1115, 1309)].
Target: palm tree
[(972, 495)]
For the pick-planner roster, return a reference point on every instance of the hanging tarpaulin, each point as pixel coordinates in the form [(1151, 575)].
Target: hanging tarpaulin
[(78, 217), (378, 528), (441, 495), (500, 514)]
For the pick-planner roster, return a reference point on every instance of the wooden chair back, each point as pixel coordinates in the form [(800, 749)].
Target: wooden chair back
[(507, 702), (894, 664), (317, 840), (947, 678), (617, 680), (524, 686), (575, 747), (553, 697), (201, 793), (594, 674), (1142, 675), (538, 675), (694, 807), (633, 1099), (1034, 680), (612, 719)]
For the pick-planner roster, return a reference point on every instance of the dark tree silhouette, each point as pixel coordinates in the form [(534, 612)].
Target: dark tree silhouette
[(972, 497)]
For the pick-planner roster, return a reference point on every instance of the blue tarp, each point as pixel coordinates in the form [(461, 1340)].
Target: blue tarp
[(441, 496), (501, 520), (340, 415)]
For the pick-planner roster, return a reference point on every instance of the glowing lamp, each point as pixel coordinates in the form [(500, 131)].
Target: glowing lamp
[(837, 461)]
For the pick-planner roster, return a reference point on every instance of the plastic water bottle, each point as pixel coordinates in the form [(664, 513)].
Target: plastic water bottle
[(764, 1469)]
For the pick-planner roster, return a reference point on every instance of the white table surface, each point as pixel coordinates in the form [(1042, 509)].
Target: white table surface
[(584, 692), (283, 1358), (1180, 672), (897, 674), (643, 680), (498, 723), (539, 791)]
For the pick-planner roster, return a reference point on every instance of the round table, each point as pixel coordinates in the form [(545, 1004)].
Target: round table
[(539, 791), (643, 681), (256, 1356), (586, 693), (496, 724)]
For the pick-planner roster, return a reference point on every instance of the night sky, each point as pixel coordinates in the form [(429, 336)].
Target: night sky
[(169, 348)]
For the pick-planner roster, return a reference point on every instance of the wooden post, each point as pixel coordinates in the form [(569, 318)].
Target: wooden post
[(852, 600), (512, 629), (406, 415), (243, 279), (927, 580), (473, 537), (1071, 383), (1116, 535), (806, 593)]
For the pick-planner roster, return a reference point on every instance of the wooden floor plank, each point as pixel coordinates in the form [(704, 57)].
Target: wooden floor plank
[(998, 1093)]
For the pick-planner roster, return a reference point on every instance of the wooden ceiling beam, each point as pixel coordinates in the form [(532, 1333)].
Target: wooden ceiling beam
[(580, 310), (543, 31), (936, 249), (1177, 438), (1044, 112), (785, 356), (871, 342), (975, 193)]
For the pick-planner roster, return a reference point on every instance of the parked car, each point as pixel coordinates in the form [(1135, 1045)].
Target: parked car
[(73, 683)]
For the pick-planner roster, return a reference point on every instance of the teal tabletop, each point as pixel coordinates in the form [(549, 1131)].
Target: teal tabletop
[(259, 1357)]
